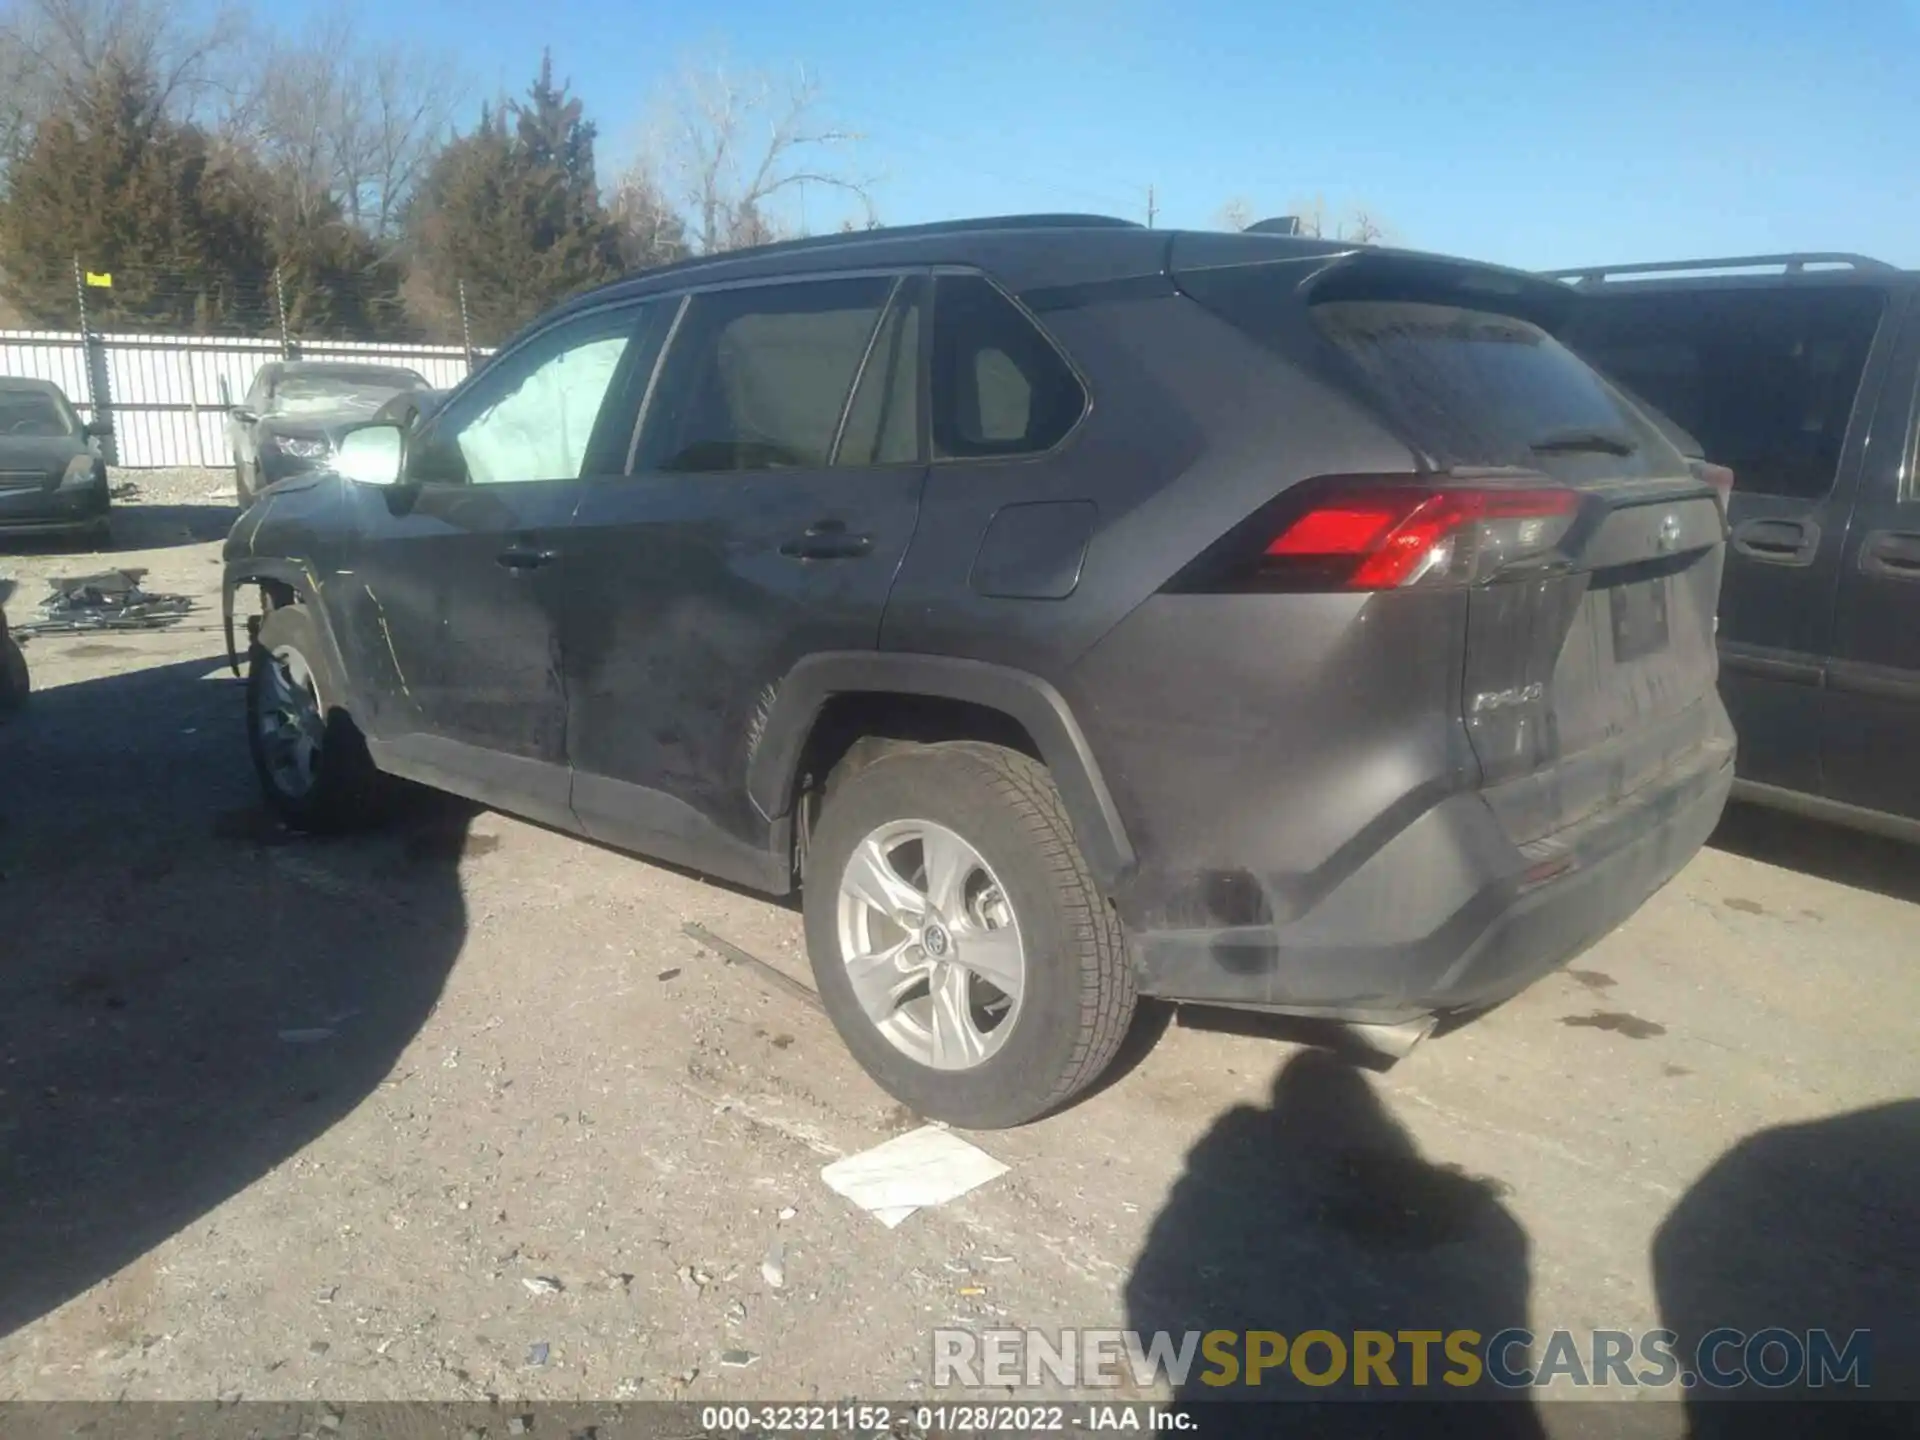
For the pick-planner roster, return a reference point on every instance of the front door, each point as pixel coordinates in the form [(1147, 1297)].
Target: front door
[(1766, 377), (774, 491), (454, 590), (1870, 744)]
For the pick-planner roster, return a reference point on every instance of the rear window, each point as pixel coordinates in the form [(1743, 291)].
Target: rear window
[(1472, 388), (1765, 378)]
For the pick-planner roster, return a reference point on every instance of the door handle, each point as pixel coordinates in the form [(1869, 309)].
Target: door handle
[(1894, 554), (827, 540), (1778, 542), (525, 557)]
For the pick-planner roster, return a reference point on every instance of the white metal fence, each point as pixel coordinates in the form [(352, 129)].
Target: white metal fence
[(163, 394)]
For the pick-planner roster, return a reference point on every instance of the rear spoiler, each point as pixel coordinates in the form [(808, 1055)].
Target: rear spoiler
[(1321, 270)]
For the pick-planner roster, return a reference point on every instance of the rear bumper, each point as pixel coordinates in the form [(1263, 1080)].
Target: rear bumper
[(1450, 914)]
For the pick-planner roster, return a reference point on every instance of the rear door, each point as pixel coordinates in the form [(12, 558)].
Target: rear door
[(774, 487), (1768, 377), (1870, 732)]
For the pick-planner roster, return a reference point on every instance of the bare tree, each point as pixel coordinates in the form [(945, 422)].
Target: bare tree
[(1360, 225), (345, 123), (54, 49), (737, 150), (1236, 214)]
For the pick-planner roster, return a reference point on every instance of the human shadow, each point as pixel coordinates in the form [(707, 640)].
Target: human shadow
[(1318, 1213), (189, 994), (1798, 1229)]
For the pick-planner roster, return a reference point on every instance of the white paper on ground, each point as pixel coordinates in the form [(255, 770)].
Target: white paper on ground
[(928, 1166)]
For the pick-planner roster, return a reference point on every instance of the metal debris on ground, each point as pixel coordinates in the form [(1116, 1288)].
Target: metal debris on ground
[(773, 1269), (542, 1284), (537, 1353), (106, 600), (734, 955), (737, 1359)]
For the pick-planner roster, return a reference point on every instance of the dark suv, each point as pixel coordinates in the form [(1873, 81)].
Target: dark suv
[(1798, 373), (1072, 610)]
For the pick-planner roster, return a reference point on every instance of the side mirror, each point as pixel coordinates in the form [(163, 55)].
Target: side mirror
[(97, 429), (244, 415), (372, 455)]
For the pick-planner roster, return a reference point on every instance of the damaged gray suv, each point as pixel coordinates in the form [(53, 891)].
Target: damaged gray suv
[(1071, 611)]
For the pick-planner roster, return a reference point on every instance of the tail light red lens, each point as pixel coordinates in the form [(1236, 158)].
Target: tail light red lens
[(1386, 537)]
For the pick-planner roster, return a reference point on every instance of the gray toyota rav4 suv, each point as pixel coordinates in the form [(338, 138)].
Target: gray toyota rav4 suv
[(1071, 611)]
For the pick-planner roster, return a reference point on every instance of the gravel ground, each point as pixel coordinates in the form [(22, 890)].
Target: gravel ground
[(456, 1110)]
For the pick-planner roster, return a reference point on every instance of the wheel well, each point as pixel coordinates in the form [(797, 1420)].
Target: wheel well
[(275, 593), (853, 729)]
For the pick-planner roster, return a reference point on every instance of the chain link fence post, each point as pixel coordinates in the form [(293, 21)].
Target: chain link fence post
[(93, 355), (466, 329), (280, 309)]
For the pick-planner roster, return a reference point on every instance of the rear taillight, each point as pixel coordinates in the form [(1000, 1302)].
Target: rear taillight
[(1387, 537)]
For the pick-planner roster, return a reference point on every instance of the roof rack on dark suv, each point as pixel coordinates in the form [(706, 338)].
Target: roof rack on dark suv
[(1815, 261)]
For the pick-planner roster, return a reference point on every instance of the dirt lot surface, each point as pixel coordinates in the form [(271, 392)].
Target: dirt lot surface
[(457, 1109)]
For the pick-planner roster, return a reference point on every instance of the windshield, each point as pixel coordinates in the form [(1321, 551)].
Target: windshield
[(343, 389), (32, 413)]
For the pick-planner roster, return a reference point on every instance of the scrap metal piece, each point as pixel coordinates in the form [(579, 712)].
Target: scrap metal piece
[(105, 600)]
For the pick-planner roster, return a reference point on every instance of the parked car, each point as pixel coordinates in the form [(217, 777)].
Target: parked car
[(1071, 610), (294, 412), (408, 407), (1798, 373), (52, 477)]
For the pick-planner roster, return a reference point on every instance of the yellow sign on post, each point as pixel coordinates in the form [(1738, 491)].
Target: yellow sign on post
[(99, 280)]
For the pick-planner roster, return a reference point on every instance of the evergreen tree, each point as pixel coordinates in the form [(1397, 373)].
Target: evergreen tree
[(114, 182), (514, 211)]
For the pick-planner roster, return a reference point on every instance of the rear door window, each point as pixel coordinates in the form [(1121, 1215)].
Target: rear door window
[(1764, 378), (759, 378), (1000, 388)]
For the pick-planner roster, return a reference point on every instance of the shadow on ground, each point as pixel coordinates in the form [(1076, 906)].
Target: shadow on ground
[(1846, 857), (188, 994), (135, 527), (1317, 1212), (1804, 1228)]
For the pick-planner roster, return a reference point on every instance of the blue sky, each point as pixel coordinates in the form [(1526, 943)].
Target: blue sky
[(1532, 134)]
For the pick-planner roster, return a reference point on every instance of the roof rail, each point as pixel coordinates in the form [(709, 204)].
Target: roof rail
[(894, 232), (1786, 264)]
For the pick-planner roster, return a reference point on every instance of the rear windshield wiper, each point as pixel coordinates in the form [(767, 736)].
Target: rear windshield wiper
[(1567, 442)]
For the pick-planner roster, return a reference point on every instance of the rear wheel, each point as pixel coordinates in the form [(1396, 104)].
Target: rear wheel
[(311, 760), (960, 946)]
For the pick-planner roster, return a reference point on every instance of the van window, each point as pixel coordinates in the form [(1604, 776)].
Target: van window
[(757, 378), (1765, 379), (999, 386)]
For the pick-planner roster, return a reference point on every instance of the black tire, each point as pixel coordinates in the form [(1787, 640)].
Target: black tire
[(347, 792), (1079, 987)]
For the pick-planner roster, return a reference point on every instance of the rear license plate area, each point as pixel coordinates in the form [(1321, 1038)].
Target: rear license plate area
[(1639, 619)]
